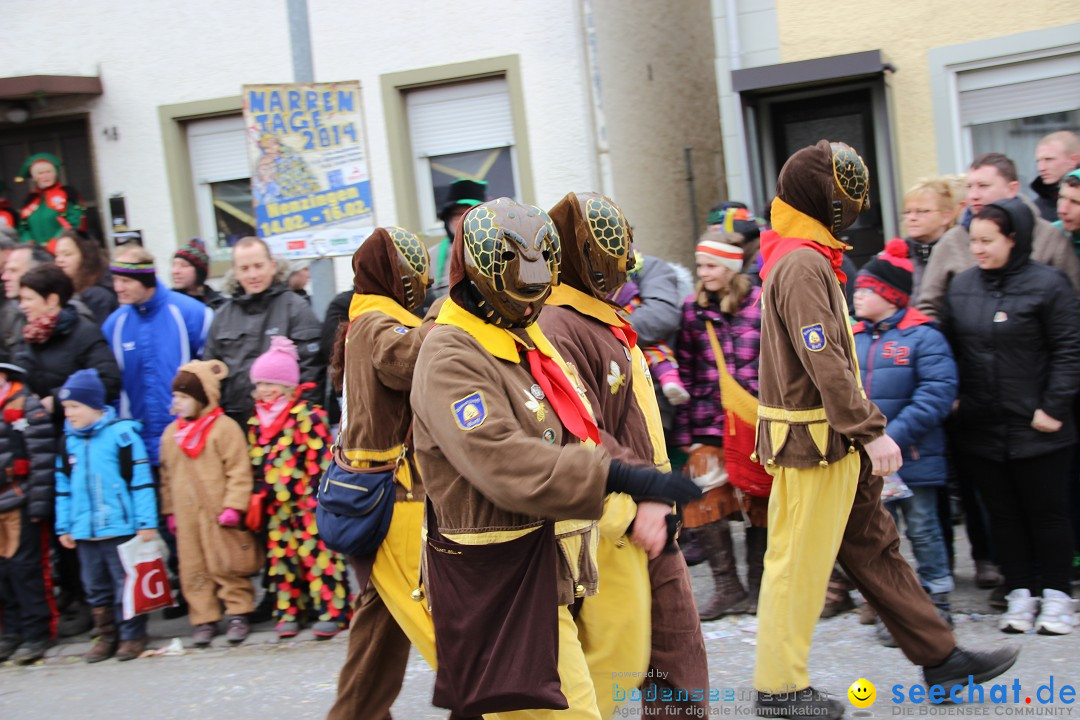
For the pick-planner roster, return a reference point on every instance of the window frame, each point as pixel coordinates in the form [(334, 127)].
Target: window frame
[(181, 178), (953, 140), (403, 165)]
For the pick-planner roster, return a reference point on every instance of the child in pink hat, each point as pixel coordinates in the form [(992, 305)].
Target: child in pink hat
[(290, 449)]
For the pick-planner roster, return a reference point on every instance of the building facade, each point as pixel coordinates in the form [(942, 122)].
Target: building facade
[(918, 87), (537, 98)]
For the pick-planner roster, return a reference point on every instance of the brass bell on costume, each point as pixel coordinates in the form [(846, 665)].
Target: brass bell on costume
[(753, 457), (823, 463), (417, 594), (579, 590)]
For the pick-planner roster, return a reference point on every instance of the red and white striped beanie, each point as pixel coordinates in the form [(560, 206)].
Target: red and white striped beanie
[(712, 245)]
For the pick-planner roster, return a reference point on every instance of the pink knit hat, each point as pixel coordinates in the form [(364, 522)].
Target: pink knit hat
[(280, 364)]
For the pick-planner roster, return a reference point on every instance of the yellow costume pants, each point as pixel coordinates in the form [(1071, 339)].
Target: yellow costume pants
[(808, 513), (395, 575), (574, 677), (614, 626)]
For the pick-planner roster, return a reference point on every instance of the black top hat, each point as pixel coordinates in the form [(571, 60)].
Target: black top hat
[(464, 191)]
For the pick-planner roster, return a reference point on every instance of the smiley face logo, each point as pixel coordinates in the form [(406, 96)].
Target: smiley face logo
[(862, 693)]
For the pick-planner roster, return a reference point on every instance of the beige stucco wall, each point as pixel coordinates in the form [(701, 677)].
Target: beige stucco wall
[(659, 95), (904, 31)]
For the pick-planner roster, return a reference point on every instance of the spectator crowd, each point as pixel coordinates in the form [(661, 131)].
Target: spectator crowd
[(203, 419)]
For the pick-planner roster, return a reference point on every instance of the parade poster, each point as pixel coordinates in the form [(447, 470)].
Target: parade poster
[(310, 185)]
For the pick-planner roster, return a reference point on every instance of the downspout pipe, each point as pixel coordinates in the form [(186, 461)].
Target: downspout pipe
[(600, 139), (731, 21)]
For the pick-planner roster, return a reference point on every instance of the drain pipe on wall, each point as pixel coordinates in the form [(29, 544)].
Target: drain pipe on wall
[(735, 63), (688, 156), (603, 150)]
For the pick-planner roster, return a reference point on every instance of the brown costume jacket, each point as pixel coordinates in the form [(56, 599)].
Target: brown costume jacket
[(812, 403), (491, 452), (381, 348)]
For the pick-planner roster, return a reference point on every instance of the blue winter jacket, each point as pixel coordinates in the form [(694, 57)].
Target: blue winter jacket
[(151, 341), (93, 498), (908, 371)]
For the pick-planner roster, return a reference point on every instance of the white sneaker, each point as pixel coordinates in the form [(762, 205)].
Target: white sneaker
[(1057, 615), (1020, 616)]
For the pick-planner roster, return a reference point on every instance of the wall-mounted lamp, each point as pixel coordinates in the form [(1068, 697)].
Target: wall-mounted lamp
[(18, 112)]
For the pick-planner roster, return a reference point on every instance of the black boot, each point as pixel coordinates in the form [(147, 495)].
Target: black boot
[(808, 703), (982, 666), (691, 548), (729, 596), (757, 539)]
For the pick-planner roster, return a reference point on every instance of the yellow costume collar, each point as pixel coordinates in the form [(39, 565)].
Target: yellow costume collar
[(364, 303), (500, 342), (791, 223), (566, 296)]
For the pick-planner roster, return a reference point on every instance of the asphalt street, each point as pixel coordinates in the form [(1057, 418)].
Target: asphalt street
[(297, 678)]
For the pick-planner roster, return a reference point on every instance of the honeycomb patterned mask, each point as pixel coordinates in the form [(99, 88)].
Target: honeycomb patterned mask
[(413, 265), (851, 186), (511, 254), (607, 248)]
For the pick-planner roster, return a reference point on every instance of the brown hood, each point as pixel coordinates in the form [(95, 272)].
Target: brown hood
[(210, 374), (375, 268), (573, 232), (806, 182)]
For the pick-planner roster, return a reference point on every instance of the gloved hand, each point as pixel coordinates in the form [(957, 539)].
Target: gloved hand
[(673, 389), (229, 518), (646, 482), (170, 522)]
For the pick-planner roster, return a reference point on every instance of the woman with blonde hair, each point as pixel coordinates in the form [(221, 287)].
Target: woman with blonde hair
[(930, 208), (718, 351)]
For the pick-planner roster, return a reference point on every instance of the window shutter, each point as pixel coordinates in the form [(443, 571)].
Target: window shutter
[(460, 117), (1024, 89), (218, 149)]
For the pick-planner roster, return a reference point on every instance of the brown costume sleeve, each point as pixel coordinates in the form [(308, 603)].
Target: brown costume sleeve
[(231, 446), (394, 352), (806, 301), (518, 471)]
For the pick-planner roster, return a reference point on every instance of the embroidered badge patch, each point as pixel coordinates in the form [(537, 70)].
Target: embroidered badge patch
[(813, 337), (535, 406), (615, 378), (400, 330), (470, 411)]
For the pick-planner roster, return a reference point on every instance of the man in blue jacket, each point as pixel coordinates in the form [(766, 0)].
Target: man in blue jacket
[(153, 332), (908, 371)]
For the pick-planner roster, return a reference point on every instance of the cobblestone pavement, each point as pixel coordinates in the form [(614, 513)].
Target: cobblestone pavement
[(297, 678)]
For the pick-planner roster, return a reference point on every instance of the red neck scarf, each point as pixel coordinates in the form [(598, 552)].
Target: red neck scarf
[(268, 431), (564, 398), (39, 331), (625, 335), (774, 247), (191, 435)]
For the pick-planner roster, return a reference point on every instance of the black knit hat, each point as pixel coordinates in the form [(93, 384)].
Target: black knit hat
[(889, 273)]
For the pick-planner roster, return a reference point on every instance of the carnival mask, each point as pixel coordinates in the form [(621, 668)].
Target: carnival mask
[(511, 254), (851, 186), (412, 263), (601, 240)]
